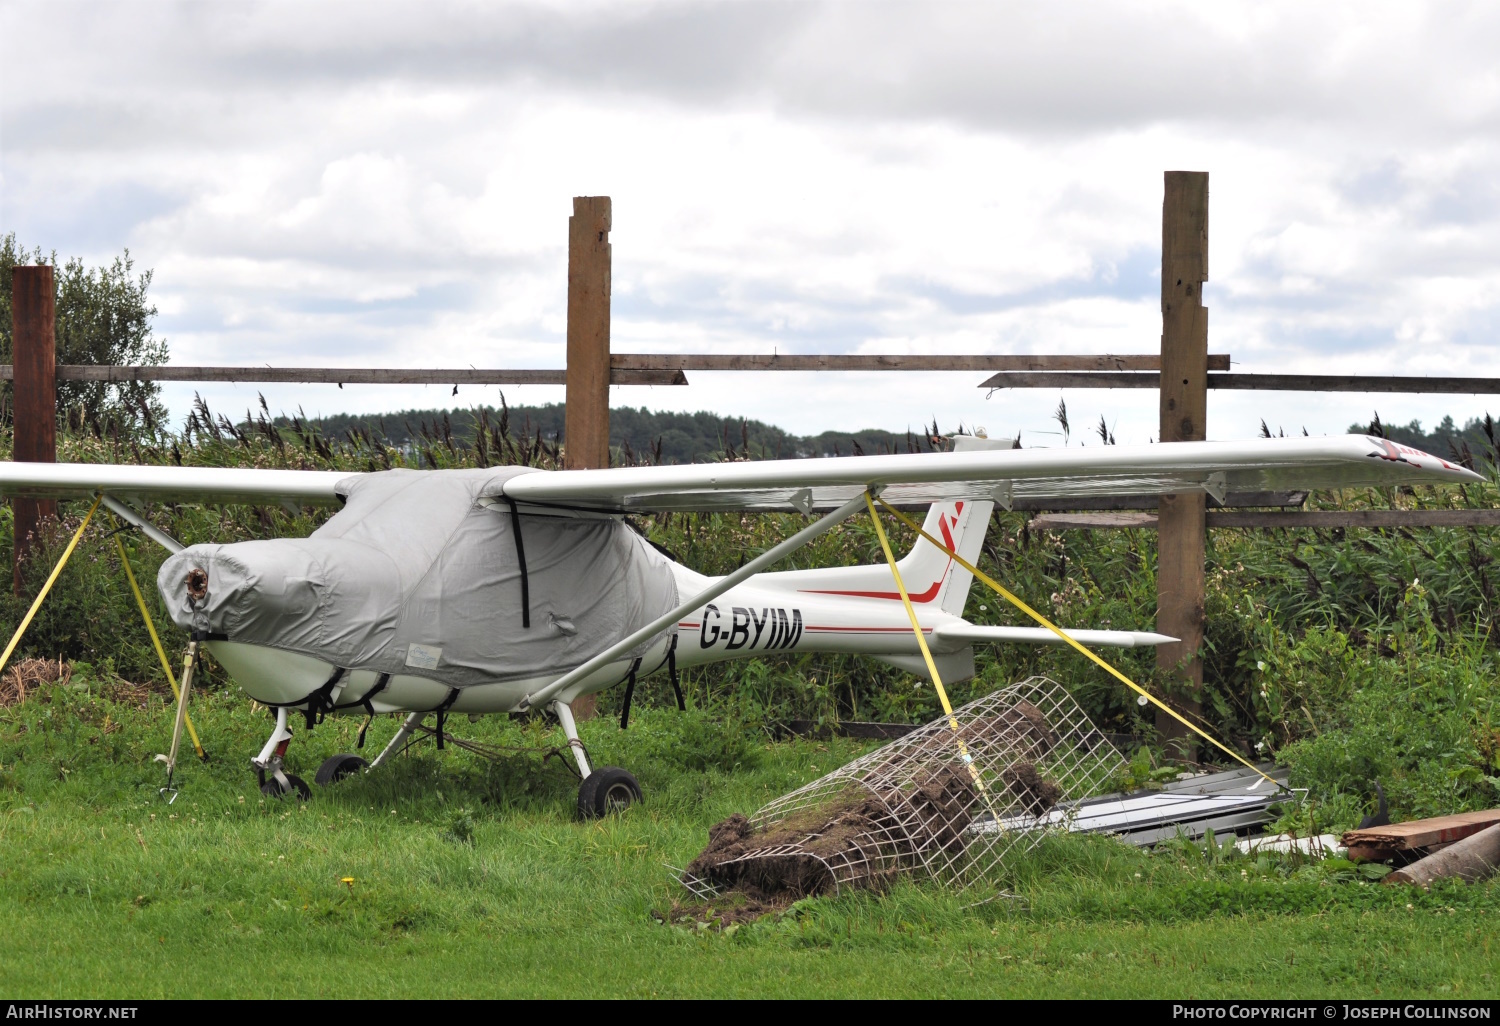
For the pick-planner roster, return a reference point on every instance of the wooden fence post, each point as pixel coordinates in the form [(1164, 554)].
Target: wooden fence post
[(586, 416), (1184, 407), (586, 419), (35, 390)]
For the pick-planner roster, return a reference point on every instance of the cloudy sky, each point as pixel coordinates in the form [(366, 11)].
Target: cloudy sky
[(389, 184)]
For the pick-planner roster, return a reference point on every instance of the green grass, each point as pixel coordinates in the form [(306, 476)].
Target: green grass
[(1351, 656), (471, 879)]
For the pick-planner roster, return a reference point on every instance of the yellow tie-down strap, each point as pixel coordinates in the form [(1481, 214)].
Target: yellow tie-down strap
[(937, 680), (916, 626), (15, 639), (1039, 618)]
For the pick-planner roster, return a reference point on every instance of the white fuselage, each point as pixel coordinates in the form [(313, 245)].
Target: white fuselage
[(848, 609)]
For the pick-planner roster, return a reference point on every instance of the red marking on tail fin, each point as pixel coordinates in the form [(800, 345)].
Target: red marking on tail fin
[(947, 535)]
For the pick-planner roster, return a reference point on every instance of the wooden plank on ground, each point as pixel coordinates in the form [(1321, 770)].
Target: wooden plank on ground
[(1472, 859), (1421, 833)]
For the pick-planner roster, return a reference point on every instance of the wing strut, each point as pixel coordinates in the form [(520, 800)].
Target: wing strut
[(713, 591), (130, 516)]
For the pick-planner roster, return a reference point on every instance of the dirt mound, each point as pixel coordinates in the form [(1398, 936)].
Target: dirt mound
[(1029, 721), (1036, 793), (857, 835), (910, 811), (1022, 726), (24, 676)]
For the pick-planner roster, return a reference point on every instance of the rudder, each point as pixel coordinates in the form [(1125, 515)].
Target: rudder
[(930, 575)]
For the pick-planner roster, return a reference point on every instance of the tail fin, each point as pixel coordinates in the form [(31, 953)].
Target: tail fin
[(930, 575)]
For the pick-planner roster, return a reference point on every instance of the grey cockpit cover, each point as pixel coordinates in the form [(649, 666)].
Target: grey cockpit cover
[(418, 574)]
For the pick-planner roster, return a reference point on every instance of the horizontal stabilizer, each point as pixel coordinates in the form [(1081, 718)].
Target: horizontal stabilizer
[(1042, 636)]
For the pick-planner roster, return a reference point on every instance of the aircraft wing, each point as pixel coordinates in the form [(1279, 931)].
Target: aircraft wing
[(170, 484), (1002, 475)]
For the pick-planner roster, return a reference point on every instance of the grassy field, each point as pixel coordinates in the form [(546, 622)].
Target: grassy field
[(451, 877), (1350, 656)]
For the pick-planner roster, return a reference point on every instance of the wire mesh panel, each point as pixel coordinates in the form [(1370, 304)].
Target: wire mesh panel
[(941, 803)]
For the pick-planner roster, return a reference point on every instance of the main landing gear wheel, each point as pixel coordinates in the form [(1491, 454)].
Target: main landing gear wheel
[(608, 789), (273, 788), (337, 767)]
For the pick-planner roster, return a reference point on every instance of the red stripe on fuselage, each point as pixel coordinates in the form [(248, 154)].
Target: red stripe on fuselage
[(864, 630), (812, 629)]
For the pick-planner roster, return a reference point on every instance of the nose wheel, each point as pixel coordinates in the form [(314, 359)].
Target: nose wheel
[(275, 782), (280, 784)]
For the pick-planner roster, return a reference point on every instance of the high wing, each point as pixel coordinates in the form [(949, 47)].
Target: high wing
[(170, 484), (1001, 475)]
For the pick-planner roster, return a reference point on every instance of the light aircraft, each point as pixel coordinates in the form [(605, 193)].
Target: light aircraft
[(511, 589)]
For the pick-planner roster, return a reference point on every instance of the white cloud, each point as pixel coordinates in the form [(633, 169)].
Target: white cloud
[(389, 184)]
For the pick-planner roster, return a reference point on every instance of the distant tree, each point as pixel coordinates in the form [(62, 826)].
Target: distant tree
[(674, 437), (103, 317), (1448, 440)]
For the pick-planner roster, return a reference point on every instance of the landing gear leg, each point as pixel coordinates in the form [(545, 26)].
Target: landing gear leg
[(565, 717), (407, 726), (274, 780), (605, 789)]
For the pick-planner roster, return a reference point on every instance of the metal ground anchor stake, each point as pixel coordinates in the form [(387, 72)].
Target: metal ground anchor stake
[(189, 661)]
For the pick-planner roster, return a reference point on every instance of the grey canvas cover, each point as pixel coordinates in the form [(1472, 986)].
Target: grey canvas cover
[(418, 574)]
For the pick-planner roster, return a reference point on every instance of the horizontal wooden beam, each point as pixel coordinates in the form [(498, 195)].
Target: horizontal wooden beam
[(1091, 521), (625, 369), (1261, 382), (1356, 383), (350, 375), (642, 370), (1263, 520), (861, 362)]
